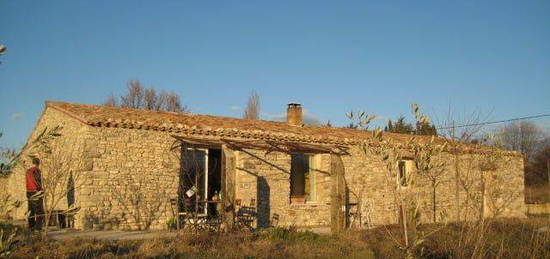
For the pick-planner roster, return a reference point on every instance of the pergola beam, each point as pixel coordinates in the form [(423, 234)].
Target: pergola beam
[(270, 146)]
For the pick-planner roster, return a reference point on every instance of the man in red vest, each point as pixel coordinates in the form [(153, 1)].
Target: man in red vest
[(34, 185)]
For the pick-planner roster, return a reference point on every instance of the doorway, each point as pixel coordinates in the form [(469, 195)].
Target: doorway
[(200, 181)]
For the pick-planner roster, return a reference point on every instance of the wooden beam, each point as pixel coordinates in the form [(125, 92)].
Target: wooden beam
[(270, 146), (199, 142)]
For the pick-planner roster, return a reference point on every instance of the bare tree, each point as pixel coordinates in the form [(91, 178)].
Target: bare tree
[(150, 100), (521, 136), (539, 165), (496, 189), (252, 111), (463, 126), (162, 100), (424, 155), (528, 139), (138, 97), (61, 169), (173, 103), (406, 200), (111, 101), (10, 159), (61, 176), (428, 168), (134, 95)]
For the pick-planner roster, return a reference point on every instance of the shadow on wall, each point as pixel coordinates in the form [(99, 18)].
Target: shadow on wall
[(101, 222), (263, 193)]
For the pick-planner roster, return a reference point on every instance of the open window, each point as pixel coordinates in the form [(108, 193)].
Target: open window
[(200, 180), (302, 178)]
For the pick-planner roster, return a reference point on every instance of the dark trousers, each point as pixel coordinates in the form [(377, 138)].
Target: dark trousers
[(36, 210)]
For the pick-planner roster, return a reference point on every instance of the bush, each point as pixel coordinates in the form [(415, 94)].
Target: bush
[(172, 223), (10, 237), (289, 234), (505, 238), (511, 238)]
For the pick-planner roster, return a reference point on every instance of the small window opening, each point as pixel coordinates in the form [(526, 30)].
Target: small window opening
[(302, 180), (403, 174)]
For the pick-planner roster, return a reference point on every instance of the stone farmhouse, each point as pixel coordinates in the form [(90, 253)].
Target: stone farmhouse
[(140, 169)]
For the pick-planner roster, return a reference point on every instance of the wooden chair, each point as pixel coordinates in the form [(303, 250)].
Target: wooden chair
[(246, 215), (275, 220)]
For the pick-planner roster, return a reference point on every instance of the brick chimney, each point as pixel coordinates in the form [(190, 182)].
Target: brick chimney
[(294, 115)]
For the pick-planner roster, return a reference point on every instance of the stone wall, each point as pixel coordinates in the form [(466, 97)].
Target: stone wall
[(5, 195), (135, 175), (266, 179), (69, 146), (369, 188), (498, 192), (127, 178)]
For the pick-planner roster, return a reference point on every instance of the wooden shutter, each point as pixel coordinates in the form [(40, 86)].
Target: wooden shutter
[(338, 194), (228, 185)]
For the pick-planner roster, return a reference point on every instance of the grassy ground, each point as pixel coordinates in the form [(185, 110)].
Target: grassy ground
[(500, 239), (537, 194)]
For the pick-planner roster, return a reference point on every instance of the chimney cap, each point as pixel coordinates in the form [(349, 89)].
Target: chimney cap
[(294, 114)]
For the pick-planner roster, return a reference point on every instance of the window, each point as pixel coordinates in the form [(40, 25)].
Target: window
[(403, 173), (302, 178)]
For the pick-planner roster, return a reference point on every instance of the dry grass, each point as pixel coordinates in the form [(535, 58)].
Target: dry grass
[(537, 194), (502, 239)]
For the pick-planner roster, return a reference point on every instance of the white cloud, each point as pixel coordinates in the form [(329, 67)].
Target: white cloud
[(16, 116), (312, 119), (309, 118)]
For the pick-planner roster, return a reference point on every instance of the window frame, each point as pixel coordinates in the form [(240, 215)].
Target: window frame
[(310, 197), (205, 175)]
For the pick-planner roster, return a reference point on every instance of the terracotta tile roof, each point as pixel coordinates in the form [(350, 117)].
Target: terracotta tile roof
[(224, 127), (194, 124)]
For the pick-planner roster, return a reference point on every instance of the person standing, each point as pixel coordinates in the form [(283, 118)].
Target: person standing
[(34, 185)]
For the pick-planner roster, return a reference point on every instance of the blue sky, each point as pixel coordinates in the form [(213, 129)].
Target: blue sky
[(331, 56)]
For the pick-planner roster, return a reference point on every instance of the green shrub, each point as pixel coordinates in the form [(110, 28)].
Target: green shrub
[(172, 223)]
